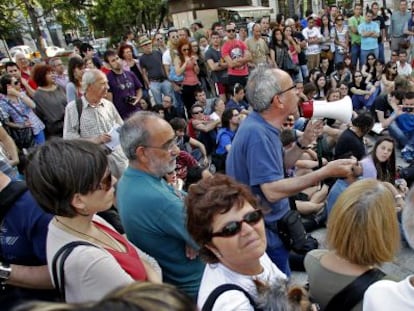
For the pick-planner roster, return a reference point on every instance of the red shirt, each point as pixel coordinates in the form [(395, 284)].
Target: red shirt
[(129, 261), (235, 49), (29, 80)]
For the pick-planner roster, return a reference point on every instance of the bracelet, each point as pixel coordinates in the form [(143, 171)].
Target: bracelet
[(300, 145)]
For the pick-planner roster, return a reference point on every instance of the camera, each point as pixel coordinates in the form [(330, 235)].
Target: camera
[(130, 100), (408, 109)]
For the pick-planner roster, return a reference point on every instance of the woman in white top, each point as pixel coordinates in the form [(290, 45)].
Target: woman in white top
[(226, 221), (71, 180)]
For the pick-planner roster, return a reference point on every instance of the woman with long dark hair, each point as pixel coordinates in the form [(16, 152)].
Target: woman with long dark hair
[(76, 68), (388, 77)]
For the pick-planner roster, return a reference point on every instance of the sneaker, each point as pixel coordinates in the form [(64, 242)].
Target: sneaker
[(407, 153)]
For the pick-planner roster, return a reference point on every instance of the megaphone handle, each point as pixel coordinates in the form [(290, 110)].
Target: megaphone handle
[(319, 149)]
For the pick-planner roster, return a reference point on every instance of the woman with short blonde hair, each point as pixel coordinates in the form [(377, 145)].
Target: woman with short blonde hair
[(362, 233)]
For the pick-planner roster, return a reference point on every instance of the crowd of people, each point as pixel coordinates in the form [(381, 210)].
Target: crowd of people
[(165, 173)]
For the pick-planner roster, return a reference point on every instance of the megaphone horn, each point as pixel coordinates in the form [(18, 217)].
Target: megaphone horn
[(340, 110)]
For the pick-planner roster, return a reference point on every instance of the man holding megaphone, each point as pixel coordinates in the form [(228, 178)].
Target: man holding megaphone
[(257, 158)]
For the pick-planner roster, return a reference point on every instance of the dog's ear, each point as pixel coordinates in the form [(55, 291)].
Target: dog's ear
[(298, 298)]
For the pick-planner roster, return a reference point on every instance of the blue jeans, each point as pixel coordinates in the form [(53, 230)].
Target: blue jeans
[(277, 252), (359, 101), (305, 72), (381, 55), (339, 57), (161, 88), (355, 55), (364, 54), (39, 138), (396, 133)]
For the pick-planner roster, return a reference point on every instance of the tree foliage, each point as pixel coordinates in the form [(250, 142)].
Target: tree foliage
[(116, 16)]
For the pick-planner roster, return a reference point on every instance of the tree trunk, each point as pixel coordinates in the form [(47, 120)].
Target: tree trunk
[(31, 11)]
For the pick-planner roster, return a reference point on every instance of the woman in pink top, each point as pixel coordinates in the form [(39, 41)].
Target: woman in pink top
[(294, 47), (186, 64)]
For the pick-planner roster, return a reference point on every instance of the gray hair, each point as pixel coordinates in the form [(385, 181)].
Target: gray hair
[(261, 87), (289, 22), (89, 77), (408, 218), (134, 132)]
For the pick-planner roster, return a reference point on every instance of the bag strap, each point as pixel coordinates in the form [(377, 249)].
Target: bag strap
[(15, 109), (9, 195), (349, 296), (58, 273), (211, 299), (79, 108)]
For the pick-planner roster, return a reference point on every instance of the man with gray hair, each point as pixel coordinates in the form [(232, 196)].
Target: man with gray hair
[(151, 211), (257, 159), (94, 118), (387, 294)]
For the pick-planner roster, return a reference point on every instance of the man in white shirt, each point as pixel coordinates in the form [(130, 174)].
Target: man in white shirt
[(313, 36), (390, 295), (403, 68)]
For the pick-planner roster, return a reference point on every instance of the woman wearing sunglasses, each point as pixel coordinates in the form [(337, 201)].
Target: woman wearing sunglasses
[(71, 180), (226, 221)]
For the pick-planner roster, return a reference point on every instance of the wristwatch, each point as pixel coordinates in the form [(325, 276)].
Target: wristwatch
[(5, 271)]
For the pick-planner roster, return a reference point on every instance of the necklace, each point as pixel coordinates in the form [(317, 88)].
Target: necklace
[(115, 244)]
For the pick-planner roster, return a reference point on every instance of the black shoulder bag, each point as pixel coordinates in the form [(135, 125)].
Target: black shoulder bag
[(58, 273), (23, 137), (211, 299), (349, 296)]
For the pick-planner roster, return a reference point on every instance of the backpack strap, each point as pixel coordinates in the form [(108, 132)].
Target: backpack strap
[(349, 296), (211, 299), (58, 273), (9, 195), (79, 108)]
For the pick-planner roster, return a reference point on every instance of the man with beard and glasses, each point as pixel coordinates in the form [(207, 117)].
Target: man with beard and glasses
[(151, 211)]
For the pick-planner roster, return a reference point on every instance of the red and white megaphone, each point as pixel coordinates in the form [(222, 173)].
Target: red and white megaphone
[(340, 110)]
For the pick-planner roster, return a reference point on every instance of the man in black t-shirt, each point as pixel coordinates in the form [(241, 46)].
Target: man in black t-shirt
[(386, 108), (217, 65), (153, 71)]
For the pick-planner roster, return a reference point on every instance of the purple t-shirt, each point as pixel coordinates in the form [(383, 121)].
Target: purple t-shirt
[(121, 86)]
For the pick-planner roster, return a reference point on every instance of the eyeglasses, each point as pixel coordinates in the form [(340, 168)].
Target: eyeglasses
[(234, 227), (168, 146), (287, 90), (106, 183), (198, 111), (231, 30)]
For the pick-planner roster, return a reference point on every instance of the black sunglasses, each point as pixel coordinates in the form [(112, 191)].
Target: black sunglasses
[(231, 30), (234, 227)]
